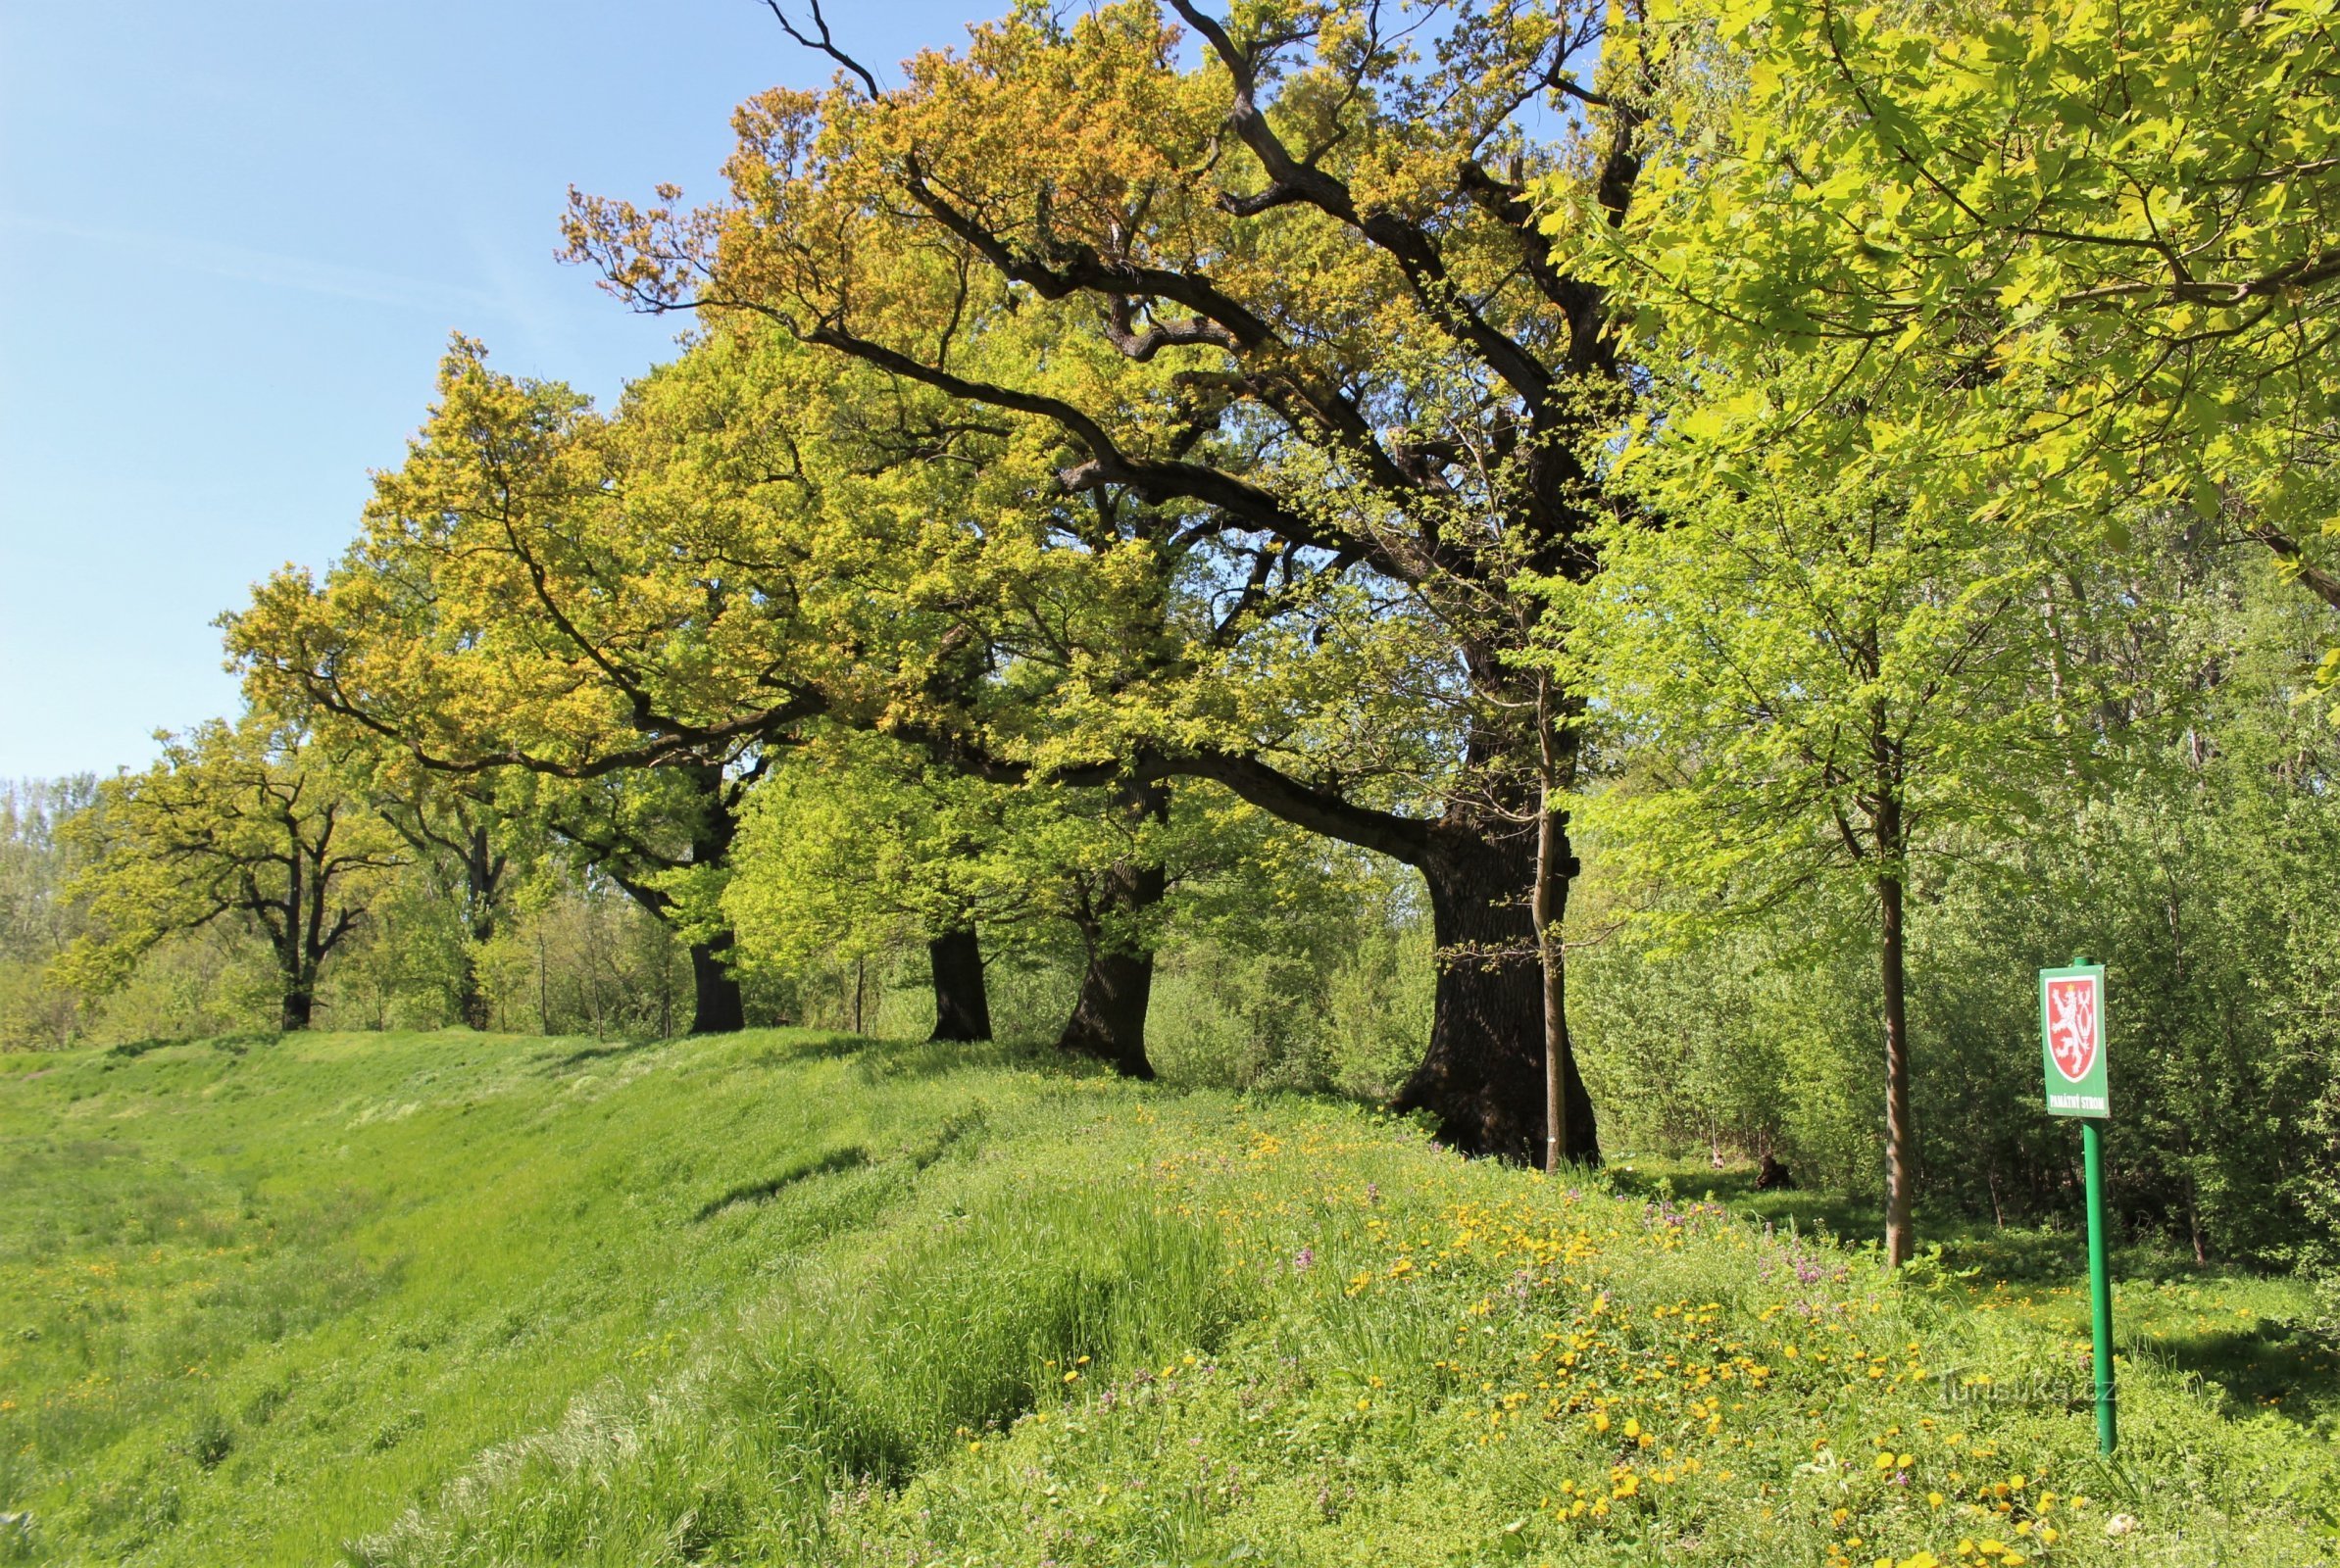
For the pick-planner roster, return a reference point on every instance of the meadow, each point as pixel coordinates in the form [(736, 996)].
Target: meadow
[(791, 1296)]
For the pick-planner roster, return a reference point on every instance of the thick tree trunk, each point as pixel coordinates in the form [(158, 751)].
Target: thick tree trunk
[(1483, 1075), (717, 1007), (1901, 1235), (1109, 1016), (470, 999), (484, 872), (961, 1005), (298, 1007)]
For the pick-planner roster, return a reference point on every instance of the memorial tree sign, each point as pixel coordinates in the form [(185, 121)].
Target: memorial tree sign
[(2071, 1045), (2072, 1030)]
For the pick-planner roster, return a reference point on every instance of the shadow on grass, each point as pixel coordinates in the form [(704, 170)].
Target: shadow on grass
[(1797, 1207), (887, 1061), (851, 1157), (794, 1046), (2278, 1367), (600, 1052)]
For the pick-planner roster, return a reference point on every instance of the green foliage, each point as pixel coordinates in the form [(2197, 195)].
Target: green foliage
[(2083, 253), (856, 845), (248, 825), (1813, 680), (1321, 982), (581, 956), (37, 919), (2194, 871)]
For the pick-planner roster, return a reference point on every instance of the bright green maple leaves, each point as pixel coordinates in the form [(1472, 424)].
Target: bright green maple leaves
[(2082, 258)]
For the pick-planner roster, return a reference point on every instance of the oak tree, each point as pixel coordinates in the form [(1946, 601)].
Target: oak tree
[(1289, 298), (247, 822)]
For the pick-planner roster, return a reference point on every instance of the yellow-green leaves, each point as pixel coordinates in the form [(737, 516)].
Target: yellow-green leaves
[(251, 824), (2095, 254)]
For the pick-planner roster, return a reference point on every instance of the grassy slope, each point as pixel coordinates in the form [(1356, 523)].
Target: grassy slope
[(454, 1298)]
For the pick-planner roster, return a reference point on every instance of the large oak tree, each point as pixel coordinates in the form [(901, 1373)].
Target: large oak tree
[(1288, 294)]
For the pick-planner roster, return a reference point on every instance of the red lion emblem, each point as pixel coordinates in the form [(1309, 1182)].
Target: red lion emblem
[(2071, 1026)]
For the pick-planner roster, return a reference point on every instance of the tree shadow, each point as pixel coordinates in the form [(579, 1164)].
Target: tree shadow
[(1799, 1208), (598, 1053), (787, 1046), (2280, 1366), (851, 1157), (896, 1059)]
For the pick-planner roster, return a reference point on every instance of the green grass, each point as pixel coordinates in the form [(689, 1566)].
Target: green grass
[(792, 1297)]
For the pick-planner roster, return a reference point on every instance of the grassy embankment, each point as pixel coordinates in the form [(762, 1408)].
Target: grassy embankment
[(787, 1299)]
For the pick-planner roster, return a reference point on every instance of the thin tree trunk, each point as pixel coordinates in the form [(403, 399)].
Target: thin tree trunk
[(1549, 904), (1900, 1136), (1550, 889), (962, 1000)]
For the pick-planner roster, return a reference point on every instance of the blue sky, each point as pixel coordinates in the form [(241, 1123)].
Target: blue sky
[(235, 238)]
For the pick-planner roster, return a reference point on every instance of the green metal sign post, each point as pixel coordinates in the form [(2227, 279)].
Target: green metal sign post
[(2071, 1046)]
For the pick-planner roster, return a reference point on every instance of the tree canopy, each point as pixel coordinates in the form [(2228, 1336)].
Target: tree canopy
[(247, 822), (2092, 251)]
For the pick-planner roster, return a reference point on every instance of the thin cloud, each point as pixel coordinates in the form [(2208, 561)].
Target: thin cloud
[(267, 268)]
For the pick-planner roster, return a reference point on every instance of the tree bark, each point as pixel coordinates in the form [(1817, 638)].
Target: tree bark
[(299, 1006), (1555, 868), (1483, 1075), (1109, 1016), (1551, 903), (470, 1000), (484, 874), (1900, 1138), (718, 1008), (962, 1003)]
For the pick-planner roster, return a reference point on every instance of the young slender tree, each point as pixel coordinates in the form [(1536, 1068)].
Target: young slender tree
[(1821, 683), (246, 822)]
